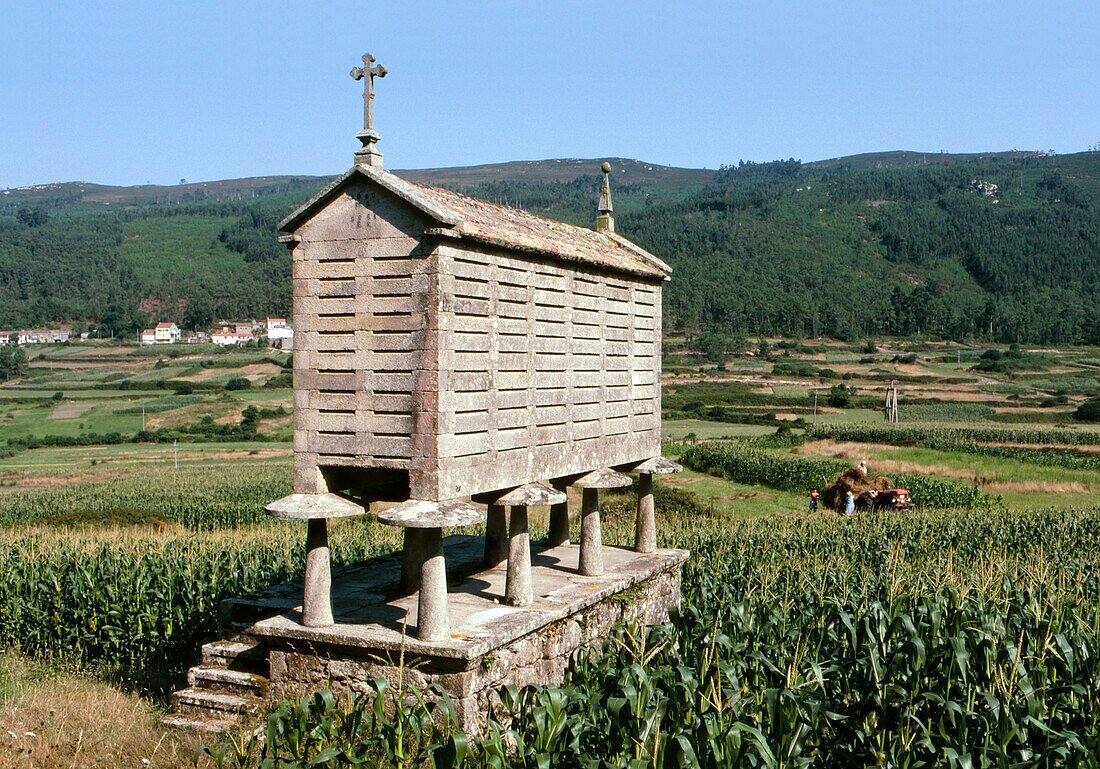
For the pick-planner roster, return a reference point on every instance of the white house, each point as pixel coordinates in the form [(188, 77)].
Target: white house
[(149, 336), (166, 333), (43, 336), (278, 330), (227, 338)]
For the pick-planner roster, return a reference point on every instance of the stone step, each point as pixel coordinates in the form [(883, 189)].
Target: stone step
[(199, 724), (227, 681), (246, 655), (213, 705)]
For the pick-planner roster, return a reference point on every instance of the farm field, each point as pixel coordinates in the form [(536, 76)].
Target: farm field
[(803, 641)]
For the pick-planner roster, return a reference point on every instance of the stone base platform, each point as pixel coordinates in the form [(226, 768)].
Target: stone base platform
[(490, 644)]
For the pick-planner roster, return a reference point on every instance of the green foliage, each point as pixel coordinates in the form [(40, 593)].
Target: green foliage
[(967, 441), (835, 250), (32, 217), (920, 640), (1089, 411), (13, 362), (194, 497), (840, 395), (238, 383), (382, 726), (784, 248), (937, 437)]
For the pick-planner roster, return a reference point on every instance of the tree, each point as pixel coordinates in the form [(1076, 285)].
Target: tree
[(840, 395), (32, 217), (1089, 411), (13, 362)]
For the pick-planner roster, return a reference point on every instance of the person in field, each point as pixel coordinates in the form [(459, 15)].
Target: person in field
[(814, 496), (849, 504)]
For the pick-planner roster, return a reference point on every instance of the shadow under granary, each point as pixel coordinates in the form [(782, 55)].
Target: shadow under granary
[(456, 362)]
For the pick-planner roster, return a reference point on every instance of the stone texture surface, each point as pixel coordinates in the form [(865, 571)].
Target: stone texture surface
[(422, 514), (540, 657), (306, 506), (472, 347), (490, 643)]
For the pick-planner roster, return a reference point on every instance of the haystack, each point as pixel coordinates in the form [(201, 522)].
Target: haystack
[(854, 481)]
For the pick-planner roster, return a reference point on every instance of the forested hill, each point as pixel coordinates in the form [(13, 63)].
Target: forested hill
[(1005, 246)]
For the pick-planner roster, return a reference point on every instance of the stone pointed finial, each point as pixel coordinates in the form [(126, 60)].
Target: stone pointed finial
[(368, 154), (605, 219)]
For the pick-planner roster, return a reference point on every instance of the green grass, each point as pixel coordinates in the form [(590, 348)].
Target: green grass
[(128, 458), (845, 416), (678, 429), (735, 499)]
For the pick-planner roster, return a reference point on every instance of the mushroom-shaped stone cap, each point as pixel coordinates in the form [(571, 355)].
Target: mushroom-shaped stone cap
[(306, 506), (659, 466), (603, 479), (532, 494), (426, 514)]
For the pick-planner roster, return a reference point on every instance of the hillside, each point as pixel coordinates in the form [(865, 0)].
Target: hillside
[(883, 243)]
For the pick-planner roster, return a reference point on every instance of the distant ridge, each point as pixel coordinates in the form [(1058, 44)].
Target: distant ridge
[(894, 158), (561, 170), (550, 171)]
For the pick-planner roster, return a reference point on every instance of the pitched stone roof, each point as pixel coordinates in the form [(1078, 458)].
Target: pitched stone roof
[(466, 218)]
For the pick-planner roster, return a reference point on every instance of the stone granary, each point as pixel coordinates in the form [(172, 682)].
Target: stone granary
[(452, 354)]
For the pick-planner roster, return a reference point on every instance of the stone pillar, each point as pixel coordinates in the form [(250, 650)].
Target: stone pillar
[(517, 591), (496, 535), (559, 518), (431, 613), (317, 593), (645, 530), (412, 560), (591, 558)]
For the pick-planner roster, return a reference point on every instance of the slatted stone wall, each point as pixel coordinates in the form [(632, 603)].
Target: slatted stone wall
[(546, 369), (361, 285), (470, 368)]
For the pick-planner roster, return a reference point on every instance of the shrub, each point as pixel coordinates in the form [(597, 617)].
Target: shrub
[(840, 395), (1089, 411)]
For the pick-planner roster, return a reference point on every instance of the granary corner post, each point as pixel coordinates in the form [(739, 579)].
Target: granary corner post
[(645, 529), (590, 563), (315, 509)]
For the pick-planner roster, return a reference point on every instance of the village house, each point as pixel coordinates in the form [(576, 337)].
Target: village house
[(36, 336), (166, 333), (241, 334), (148, 336), (279, 333)]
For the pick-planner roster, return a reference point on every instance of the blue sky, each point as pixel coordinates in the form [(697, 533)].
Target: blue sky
[(133, 92)]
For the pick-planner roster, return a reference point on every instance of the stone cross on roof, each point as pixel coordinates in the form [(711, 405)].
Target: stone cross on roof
[(368, 155)]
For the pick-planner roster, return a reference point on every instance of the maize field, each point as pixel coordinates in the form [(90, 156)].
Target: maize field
[(963, 639)]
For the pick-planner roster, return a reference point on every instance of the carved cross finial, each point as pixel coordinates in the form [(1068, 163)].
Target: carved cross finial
[(367, 73)]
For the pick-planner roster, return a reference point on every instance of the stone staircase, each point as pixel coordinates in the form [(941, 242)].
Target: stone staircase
[(227, 686)]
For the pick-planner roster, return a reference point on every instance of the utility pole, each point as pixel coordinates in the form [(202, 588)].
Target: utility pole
[(176, 452), (143, 419), (815, 408)]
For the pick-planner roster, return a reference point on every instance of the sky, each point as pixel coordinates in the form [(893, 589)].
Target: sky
[(144, 91)]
